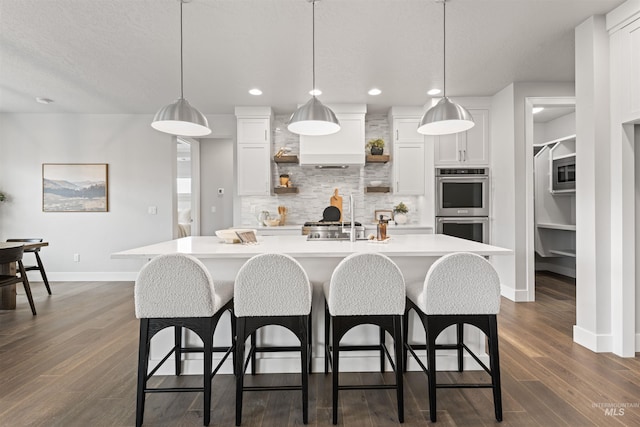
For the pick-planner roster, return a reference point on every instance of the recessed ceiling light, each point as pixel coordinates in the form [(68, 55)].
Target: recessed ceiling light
[(42, 100), (255, 91), (315, 92), (375, 91), (434, 92), (536, 110)]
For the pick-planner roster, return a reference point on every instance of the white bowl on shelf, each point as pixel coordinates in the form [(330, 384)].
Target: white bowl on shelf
[(376, 183), (272, 222), (229, 235)]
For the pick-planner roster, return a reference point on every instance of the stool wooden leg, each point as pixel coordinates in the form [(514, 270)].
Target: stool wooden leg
[(431, 375), (143, 366), (460, 338), (494, 361), (208, 362), (254, 344), (335, 369), (405, 339), (382, 344), (177, 340), (327, 329), (398, 343), (42, 273), (310, 343), (27, 288), (240, 330), (304, 362)]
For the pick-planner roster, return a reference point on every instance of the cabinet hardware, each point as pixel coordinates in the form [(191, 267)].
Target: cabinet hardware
[(397, 137), (265, 134)]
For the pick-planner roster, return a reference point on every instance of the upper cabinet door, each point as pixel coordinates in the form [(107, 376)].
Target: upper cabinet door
[(406, 130), (253, 131), (468, 148), (476, 151)]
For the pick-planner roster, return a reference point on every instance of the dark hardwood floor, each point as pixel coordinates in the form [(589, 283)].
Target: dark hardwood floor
[(74, 364)]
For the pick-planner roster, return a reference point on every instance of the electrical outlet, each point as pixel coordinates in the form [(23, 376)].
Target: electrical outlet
[(252, 208), (152, 210), (76, 257)]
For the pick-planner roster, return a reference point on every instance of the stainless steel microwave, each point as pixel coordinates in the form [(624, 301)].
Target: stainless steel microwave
[(462, 192), (563, 174)]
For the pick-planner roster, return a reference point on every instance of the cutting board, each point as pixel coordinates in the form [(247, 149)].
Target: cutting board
[(336, 200)]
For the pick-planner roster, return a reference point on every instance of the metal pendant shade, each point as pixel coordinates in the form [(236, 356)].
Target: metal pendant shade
[(446, 117), (180, 117), (313, 118)]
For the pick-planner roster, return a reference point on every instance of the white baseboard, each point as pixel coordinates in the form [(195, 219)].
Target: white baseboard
[(90, 276), (516, 295), (599, 343), (637, 343)]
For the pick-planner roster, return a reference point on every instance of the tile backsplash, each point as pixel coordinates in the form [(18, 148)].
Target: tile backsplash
[(316, 186)]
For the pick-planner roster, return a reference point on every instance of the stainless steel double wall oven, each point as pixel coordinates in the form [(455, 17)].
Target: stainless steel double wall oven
[(462, 203)]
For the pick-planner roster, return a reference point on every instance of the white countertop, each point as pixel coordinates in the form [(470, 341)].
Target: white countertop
[(297, 246)]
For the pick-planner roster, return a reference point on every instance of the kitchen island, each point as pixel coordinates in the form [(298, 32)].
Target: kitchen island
[(414, 254)]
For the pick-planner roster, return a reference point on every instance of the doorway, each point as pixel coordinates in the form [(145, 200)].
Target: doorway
[(187, 218), (551, 215)]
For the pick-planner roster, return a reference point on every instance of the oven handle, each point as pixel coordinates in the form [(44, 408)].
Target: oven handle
[(463, 179), (475, 220)]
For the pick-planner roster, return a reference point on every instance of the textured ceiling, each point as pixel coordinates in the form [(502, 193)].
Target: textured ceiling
[(122, 56)]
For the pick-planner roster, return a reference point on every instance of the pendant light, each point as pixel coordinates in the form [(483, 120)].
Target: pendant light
[(179, 117), (446, 116), (314, 118)]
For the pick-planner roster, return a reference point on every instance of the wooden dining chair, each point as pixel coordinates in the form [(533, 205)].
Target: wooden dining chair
[(14, 255), (39, 266)]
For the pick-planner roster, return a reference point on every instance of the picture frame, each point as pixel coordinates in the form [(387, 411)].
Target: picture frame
[(75, 187), (387, 214)]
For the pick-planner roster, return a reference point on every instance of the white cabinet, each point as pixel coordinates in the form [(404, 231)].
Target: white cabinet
[(468, 148), (408, 159), (254, 170), (253, 151), (408, 168), (254, 130), (406, 130), (627, 40)]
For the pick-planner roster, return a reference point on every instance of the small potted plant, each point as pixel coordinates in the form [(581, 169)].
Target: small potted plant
[(376, 146), (2, 197), (400, 213)]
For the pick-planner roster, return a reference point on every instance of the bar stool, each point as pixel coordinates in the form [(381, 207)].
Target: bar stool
[(176, 290), (459, 288), (39, 266), (14, 255), (272, 289), (365, 288)]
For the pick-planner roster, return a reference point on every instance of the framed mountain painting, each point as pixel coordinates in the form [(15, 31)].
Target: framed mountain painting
[(74, 187)]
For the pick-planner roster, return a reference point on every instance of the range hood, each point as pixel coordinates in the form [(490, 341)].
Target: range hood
[(341, 149)]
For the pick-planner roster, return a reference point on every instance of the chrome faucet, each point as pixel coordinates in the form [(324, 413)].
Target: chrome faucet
[(352, 226)]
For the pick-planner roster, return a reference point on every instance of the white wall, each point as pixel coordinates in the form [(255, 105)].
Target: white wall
[(502, 182), (140, 162), (141, 166), (216, 171), (593, 217)]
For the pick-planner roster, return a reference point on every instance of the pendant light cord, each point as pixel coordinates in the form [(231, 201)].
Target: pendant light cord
[(444, 48), (181, 55), (313, 46)]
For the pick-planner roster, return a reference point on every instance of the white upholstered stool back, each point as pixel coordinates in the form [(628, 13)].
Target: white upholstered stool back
[(460, 283), (272, 285), (178, 285), (364, 284)]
